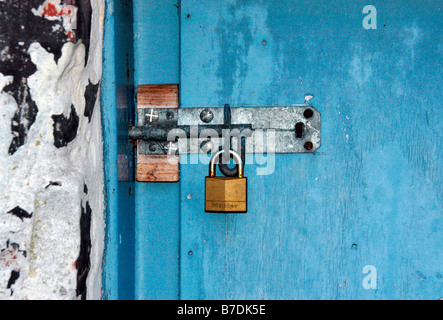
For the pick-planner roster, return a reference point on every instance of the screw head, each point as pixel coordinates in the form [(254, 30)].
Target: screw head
[(152, 147), (170, 115), (206, 116), (207, 146), (308, 145), (308, 113)]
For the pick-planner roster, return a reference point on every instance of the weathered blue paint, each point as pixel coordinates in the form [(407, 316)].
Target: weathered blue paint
[(371, 195), (156, 41), (156, 51), (117, 109)]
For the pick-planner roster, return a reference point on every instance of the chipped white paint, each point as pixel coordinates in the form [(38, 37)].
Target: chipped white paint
[(60, 11), (51, 237)]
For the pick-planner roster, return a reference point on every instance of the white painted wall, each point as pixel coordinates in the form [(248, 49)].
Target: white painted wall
[(51, 237)]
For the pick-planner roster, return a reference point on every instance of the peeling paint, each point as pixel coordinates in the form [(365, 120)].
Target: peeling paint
[(50, 149)]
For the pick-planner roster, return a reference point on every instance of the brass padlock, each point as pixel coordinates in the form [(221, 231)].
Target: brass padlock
[(226, 194)]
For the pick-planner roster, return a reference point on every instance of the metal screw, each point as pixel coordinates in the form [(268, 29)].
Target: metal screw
[(206, 116), (309, 145), (152, 116), (152, 147), (172, 148), (170, 115), (308, 113), (207, 146)]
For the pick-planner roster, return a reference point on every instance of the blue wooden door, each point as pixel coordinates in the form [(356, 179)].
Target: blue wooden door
[(361, 218)]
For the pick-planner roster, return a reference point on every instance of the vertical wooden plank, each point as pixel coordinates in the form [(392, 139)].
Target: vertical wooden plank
[(156, 43), (117, 108), (370, 196)]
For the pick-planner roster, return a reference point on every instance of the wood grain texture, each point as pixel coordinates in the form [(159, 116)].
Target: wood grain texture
[(157, 168), (157, 96)]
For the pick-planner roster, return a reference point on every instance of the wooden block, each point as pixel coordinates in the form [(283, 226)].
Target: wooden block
[(157, 96), (157, 168)]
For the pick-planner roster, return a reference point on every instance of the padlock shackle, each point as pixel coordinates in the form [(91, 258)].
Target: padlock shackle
[(236, 157)]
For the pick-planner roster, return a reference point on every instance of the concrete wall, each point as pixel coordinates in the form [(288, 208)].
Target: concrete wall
[(51, 167)]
